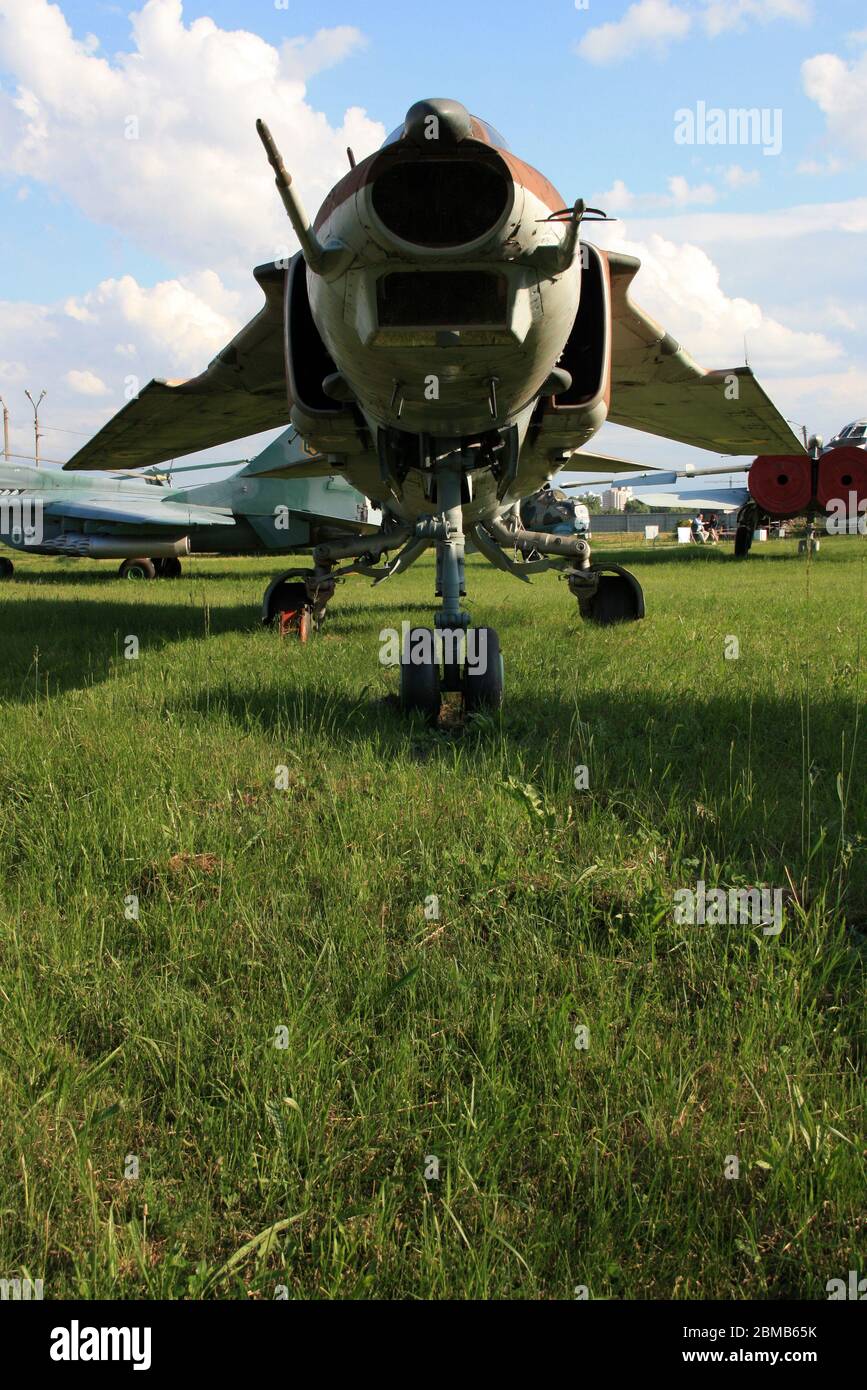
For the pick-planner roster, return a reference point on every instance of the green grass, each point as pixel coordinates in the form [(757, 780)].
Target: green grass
[(409, 1037)]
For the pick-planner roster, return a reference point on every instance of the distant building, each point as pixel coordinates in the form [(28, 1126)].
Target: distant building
[(615, 499)]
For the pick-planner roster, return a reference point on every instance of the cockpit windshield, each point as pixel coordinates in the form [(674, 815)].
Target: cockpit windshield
[(490, 133)]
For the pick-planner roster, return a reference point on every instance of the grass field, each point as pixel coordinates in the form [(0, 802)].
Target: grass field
[(282, 1043)]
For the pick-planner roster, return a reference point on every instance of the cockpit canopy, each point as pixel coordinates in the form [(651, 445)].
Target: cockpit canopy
[(482, 131)]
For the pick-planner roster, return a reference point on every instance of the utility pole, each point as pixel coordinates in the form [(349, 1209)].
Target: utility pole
[(36, 405), (5, 429)]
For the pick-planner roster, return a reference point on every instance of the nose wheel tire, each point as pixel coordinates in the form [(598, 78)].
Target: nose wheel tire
[(7, 569), (484, 682), (480, 680), (138, 569), (420, 678)]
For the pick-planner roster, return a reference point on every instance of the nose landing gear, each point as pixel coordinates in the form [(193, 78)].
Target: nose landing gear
[(454, 656)]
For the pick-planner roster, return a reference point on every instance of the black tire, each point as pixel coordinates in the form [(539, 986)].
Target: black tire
[(420, 681), (617, 600), (287, 596), (7, 569), (743, 541), (138, 569), (170, 568), (483, 689)]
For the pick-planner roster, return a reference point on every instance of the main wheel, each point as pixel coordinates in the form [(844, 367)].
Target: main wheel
[(743, 541), (284, 596), (138, 569), (169, 568), (618, 599), (484, 677), (7, 569), (420, 677)]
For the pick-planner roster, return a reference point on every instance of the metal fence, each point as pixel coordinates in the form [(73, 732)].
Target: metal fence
[(636, 521)]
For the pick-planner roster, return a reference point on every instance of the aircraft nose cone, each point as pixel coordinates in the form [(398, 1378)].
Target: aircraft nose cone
[(437, 120)]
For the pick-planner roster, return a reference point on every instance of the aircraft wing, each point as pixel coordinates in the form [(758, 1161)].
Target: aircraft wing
[(727, 499), (657, 387), (139, 511), (243, 391), (584, 460)]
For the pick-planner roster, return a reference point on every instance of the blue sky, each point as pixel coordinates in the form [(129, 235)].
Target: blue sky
[(114, 254)]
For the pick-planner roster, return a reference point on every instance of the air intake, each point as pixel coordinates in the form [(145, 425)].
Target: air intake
[(438, 201)]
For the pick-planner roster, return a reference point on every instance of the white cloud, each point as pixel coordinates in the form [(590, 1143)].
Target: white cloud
[(124, 332), (186, 320), (303, 58), (194, 187), (736, 177), (818, 168), (86, 383), (655, 24), (723, 15), (680, 194), (839, 89), (11, 373), (650, 24), (681, 286), (714, 279), (768, 229)]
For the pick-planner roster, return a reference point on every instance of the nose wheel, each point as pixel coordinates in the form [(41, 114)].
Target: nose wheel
[(437, 661)]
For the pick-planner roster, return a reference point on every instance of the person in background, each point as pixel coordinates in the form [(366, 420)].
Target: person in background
[(713, 528), (696, 527)]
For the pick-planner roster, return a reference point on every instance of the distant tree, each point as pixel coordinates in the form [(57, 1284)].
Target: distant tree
[(591, 501), (633, 505)]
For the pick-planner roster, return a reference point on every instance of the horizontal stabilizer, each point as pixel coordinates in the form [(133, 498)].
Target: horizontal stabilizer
[(289, 457)]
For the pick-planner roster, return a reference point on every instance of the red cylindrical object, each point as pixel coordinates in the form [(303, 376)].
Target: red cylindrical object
[(782, 484), (842, 472)]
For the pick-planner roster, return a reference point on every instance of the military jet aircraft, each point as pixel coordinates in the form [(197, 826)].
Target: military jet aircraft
[(150, 526), (829, 479), (446, 341), (552, 509)]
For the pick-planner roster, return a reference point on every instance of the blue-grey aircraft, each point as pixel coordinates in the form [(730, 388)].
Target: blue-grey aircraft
[(150, 526)]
